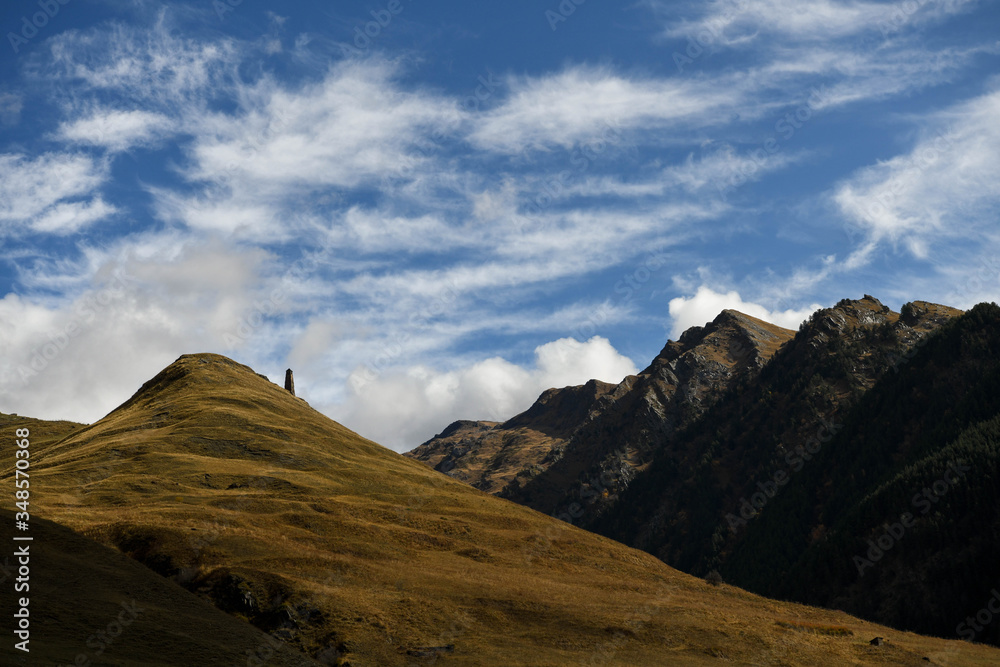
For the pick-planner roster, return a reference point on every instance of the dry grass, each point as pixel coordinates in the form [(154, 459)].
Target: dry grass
[(818, 628), (233, 487)]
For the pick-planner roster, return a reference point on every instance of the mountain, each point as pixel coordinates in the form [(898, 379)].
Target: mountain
[(793, 486), (924, 442), (799, 398), (489, 455), (603, 435), (221, 481)]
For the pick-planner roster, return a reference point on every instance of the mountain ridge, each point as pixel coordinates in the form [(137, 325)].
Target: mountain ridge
[(583, 464)]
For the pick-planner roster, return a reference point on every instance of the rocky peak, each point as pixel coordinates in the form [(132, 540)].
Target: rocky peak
[(732, 339), (560, 411)]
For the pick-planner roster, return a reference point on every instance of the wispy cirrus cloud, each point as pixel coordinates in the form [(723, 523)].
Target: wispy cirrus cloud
[(116, 130), (38, 193), (740, 22), (581, 104), (156, 65), (944, 187)]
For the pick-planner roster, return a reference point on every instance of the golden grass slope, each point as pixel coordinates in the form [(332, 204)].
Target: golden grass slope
[(357, 555)]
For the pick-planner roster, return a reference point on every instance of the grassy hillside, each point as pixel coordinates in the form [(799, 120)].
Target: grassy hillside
[(89, 600), (241, 493)]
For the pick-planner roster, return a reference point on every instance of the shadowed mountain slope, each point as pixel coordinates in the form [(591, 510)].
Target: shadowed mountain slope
[(608, 451), (925, 441), (678, 510), (578, 446), (89, 600), (489, 455), (356, 555)]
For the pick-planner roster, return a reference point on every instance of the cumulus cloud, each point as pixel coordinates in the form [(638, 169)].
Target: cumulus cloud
[(404, 408), (706, 304), (121, 317)]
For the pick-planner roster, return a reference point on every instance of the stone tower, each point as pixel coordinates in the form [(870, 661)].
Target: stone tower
[(290, 381)]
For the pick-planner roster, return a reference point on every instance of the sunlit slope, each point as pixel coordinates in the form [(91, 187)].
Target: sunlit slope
[(241, 492), (43, 432), (91, 601)]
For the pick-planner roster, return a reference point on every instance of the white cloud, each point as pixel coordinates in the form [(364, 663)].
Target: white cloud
[(72, 217), (354, 127), (122, 316), (706, 304), (116, 130), (710, 175), (945, 187), (739, 22), (583, 104), (154, 65), (404, 408), (10, 108), (287, 149), (31, 189)]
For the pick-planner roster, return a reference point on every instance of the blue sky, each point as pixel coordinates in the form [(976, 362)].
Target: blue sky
[(437, 210)]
